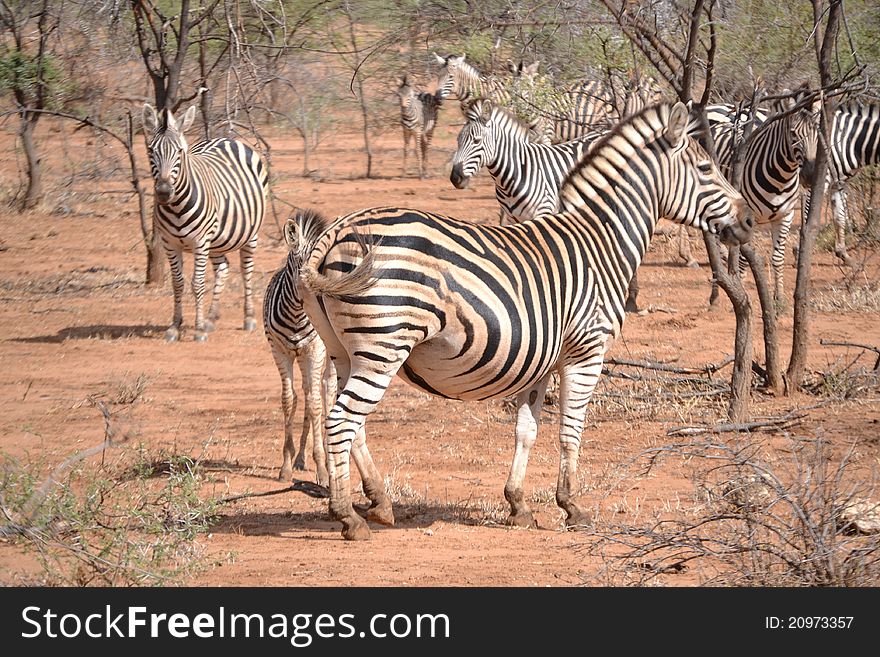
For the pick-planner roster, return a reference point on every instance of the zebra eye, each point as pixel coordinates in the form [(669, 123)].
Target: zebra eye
[(705, 167)]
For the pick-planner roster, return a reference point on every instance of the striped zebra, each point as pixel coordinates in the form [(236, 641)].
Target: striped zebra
[(855, 143), (776, 152), (418, 117), (475, 312), (528, 176), (209, 200), (293, 339)]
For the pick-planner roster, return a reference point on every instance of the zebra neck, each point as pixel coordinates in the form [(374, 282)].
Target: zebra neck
[(613, 225), (183, 186)]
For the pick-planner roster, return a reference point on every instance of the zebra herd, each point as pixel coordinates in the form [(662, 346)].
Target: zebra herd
[(470, 311)]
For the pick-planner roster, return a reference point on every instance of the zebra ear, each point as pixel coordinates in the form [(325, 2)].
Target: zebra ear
[(486, 110), (678, 120), (532, 69), (188, 119), (151, 121), (440, 60)]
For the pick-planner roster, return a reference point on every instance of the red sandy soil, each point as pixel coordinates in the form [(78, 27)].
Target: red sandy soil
[(76, 322)]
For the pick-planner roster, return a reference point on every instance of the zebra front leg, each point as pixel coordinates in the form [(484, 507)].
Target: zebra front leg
[(311, 366), (405, 145), (577, 385), (246, 258), (175, 261), (200, 263), (528, 403), (221, 269), (422, 150), (288, 408), (840, 213)]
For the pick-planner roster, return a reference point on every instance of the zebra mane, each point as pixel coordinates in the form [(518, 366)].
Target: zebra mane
[(496, 110), (303, 230), (649, 125)]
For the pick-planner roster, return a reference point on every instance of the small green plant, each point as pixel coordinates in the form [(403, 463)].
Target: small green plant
[(116, 525)]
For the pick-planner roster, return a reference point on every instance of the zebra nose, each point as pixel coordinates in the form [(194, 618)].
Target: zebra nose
[(458, 178), (163, 190)]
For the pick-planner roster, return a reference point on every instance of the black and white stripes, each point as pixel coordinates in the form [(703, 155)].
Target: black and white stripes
[(418, 118), (471, 311), (209, 200)]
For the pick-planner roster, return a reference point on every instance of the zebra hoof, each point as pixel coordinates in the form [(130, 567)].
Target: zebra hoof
[(355, 529), (286, 474), (576, 518), (201, 337), (172, 335), (521, 519), (250, 324), (381, 514)]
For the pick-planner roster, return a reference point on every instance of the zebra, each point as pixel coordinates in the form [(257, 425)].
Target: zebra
[(855, 143), (460, 79), (418, 116), (528, 176), (776, 152), (210, 200), (293, 339), (475, 312)]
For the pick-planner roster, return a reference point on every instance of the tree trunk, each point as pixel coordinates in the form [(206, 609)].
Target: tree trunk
[(810, 219), (34, 193), (741, 378), (775, 382)]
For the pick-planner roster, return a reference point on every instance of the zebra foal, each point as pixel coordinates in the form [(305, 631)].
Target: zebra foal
[(293, 339), (210, 200), (418, 117), (472, 312)]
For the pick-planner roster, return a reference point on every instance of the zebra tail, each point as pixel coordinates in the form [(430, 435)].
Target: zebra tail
[(302, 235)]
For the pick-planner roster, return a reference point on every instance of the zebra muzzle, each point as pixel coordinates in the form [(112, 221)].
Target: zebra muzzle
[(457, 177)]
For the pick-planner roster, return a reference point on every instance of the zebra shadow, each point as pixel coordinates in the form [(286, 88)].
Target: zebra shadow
[(417, 515), (96, 332)]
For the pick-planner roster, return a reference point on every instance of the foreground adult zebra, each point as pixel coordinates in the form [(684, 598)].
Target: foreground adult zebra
[(472, 312), (418, 117), (209, 200), (293, 339), (528, 176)]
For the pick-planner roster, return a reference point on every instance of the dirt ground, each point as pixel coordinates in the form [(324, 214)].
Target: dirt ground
[(76, 321)]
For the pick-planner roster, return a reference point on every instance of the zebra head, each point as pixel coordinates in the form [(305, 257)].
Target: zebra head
[(805, 133), (476, 142), (693, 191), (166, 147), (452, 77)]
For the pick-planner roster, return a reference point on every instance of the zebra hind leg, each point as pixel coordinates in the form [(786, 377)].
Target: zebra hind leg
[(284, 362), (221, 269), (311, 361), (528, 403)]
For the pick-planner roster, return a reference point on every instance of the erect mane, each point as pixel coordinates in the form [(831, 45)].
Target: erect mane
[(646, 126), (519, 125), (303, 229)]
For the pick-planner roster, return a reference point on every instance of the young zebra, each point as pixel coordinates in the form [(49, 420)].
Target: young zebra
[(855, 143), (528, 176), (418, 116), (293, 339), (209, 200), (473, 312)]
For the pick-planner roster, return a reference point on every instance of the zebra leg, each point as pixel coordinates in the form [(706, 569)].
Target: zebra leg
[(405, 145), (632, 294), (221, 269), (288, 408), (200, 257), (364, 386), (246, 258), (684, 247), (528, 403), (311, 366), (779, 232), (422, 148), (175, 261), (380, 510), (578, 382), (840, 212)]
